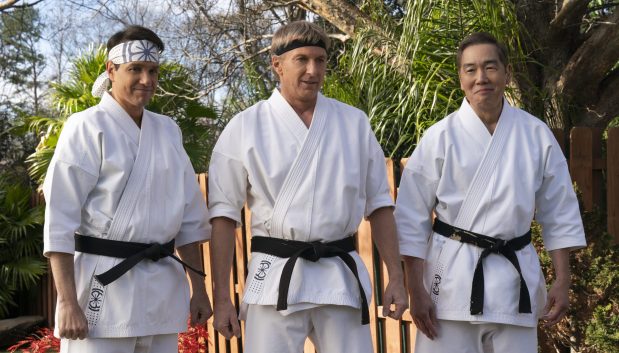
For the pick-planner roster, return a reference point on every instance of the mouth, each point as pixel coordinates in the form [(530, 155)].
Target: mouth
[(485, 91)]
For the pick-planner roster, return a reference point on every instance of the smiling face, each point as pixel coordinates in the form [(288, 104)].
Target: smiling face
[(301, 73), (133, 84), (483, 78)]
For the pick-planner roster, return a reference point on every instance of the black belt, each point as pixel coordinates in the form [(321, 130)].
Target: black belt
[(490, 245), (313, 251), (130, 251)]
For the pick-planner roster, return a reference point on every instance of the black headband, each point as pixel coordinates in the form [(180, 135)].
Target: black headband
[(298, 44)]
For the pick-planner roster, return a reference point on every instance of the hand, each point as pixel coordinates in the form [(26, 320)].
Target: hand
[(226, 319), (395, 294), (557, 303), (424, 313), (200, 309), (72, 322)]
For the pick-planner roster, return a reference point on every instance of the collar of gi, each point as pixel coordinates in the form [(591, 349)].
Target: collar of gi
[(297, 43)]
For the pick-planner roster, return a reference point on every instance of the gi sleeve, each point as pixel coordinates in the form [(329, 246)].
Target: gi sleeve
[(195, 226), (71, 176), (377, 187), (227, 178), (417, 198), (556, 204)]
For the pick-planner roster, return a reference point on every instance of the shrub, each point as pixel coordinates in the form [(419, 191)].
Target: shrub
[(592, 322)]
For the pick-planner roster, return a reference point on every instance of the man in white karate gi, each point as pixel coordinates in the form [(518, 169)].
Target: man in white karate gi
[(121, 196), (485, 171), (309, 168)]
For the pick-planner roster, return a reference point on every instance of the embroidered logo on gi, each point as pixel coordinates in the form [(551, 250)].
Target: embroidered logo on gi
[(96, 299), (261, 273), (435, 284)]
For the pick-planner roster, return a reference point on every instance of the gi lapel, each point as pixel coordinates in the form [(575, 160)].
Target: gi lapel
[(122, 216), (302, 162), (479, 183), (486, 168)]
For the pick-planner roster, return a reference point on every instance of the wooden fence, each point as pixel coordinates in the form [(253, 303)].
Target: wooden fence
[(597, 178)]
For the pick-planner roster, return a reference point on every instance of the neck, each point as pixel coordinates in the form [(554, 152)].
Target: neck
[(134, 112), (490, 117), (303, 108)]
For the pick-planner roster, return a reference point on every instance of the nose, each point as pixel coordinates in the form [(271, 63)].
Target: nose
[(313, 67), (148, 78), (481, 76)]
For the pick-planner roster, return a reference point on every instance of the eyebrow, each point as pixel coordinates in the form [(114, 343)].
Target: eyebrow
[(492, 61)]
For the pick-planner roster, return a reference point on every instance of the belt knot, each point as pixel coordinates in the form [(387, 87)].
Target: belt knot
[(155, 252)]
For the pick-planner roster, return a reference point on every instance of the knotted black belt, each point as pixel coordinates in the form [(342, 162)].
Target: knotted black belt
[(490, 245), (130, 251), (312, 251)]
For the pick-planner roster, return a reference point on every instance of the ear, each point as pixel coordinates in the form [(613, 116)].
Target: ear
[(110, 69), (508, 74), (276, 64)]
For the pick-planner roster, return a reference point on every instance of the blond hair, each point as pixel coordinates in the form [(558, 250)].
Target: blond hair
[(298, 31)]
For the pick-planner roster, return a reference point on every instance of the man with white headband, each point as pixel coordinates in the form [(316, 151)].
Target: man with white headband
[(121, 197), (309, 168)]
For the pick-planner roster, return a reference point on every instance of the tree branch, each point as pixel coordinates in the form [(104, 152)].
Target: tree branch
[(341, 14), (607, 106), (11, 4), (591, 62), (571, 14)]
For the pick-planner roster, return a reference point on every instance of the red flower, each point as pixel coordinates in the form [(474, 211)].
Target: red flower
[(43, 341)]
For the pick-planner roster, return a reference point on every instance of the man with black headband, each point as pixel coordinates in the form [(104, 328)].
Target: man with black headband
[(309, 168), (121, 197)]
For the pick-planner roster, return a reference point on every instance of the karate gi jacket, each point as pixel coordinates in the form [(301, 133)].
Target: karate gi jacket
[(101, 156), (303, 184), (510, 177)]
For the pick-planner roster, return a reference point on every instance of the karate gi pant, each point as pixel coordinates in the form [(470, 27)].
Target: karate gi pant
[(146, 344), (466, 337), (331, 328)]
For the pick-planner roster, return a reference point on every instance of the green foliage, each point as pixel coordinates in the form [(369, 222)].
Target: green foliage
[(20, 31), (176, 97), (592, 323), (404, 75), (20, 240)]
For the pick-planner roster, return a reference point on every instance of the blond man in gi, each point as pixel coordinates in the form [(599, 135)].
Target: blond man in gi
[(309, 168), (121, 197), (485, 171)]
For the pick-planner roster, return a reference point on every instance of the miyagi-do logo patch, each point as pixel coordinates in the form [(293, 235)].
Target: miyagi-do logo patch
[(261, 271), (95, 302)]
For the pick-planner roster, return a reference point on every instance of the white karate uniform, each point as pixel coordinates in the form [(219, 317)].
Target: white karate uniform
[(303, 184), (111, 179), (503, 180)]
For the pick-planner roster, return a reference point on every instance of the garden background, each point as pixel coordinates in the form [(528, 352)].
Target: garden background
[(393, 59)]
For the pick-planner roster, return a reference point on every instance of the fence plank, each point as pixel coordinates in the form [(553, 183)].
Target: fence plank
[(581, 163), (612, 178), (393, 338), (560, 137)]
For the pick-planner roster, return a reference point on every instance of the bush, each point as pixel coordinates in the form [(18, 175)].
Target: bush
[(592, 323)]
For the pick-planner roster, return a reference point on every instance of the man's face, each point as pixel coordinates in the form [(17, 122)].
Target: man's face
[(483, 77), (301, 72), (134, 83)]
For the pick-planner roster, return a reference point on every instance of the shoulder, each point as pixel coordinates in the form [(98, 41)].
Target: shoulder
[(91, 120), (532, 124), (442, 127), (345, 110)]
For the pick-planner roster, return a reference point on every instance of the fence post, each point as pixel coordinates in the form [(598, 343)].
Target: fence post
[(612, 179), (586, 164)]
